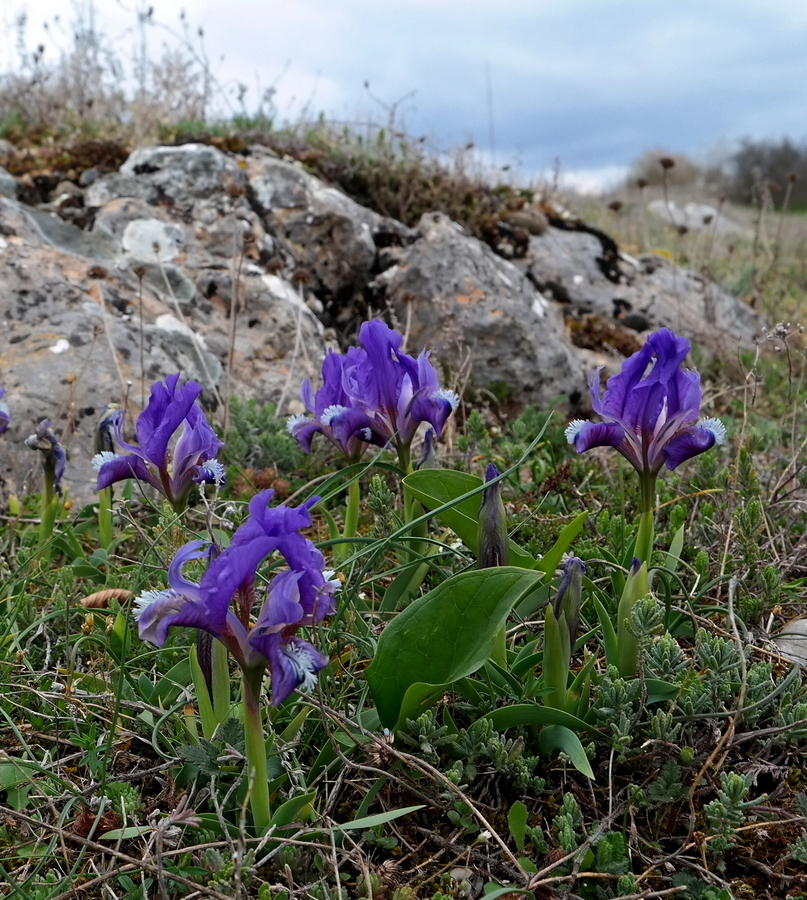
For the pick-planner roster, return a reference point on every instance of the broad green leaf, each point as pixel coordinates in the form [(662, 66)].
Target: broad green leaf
[(674, 555), (658, 690), (379, 818), (444, 636), (531, 714), (126, 834), (293, 810), (295, 726), (558, 737), (418, 698), (492, 891), (435, 488), (517, 822)]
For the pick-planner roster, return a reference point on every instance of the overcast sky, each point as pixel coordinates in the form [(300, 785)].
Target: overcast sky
[(591, 83)]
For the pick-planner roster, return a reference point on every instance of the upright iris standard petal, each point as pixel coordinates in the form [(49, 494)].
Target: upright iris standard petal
[(171, 408), (650, 409)]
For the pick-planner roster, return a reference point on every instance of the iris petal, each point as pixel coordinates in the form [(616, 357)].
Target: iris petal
[(598, 434), (687, 444)]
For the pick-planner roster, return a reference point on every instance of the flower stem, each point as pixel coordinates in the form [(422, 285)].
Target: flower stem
[(644, 536), (352, 511), (105, 518), (256, 751)]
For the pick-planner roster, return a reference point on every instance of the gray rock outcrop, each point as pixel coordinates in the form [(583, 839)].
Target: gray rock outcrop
[(181, 237)]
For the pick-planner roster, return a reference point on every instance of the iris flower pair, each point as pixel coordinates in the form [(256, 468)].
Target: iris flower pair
[(221, 603), (373, 394)]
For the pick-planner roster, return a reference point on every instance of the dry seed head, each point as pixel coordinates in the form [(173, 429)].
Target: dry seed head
[(641, 183), (667, 162), (615, 205)]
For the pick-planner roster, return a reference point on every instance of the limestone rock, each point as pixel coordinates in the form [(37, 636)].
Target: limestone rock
[(644, 294), (480, 315), (331, 239)]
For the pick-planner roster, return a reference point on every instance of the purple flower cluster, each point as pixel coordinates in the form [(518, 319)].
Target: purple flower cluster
[(192, 461), (650, 409), (221, 603), (373, 394)]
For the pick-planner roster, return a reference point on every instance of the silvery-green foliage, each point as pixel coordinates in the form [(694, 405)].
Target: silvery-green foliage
[(665, 659), (566, 823), (702, 562), (646, 621), (662, 727), (718, 658), (381, 502), (760, 683), (695, 698), (425, 734), (791, 715), (798, 849), (725, 814), (771, 580), (616, 705), (480, 744)]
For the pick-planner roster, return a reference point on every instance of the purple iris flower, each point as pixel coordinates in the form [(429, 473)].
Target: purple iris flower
[(375, 395), (330, 399), (5, 416), (193, 459), (650, 409), (221, 602)]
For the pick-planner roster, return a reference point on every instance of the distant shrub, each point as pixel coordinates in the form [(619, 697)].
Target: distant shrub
[(779, 168)]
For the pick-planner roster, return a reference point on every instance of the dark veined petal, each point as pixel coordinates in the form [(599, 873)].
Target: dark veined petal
[(585, 435), (356, 423), (688, 444), (120, 468), (196, 445), (434, 408), (266, 530), (282, 608), (302, 429), (293, 663)]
